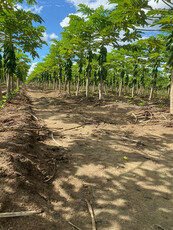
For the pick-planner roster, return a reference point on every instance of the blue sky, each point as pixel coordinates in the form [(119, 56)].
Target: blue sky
[(55, 14)]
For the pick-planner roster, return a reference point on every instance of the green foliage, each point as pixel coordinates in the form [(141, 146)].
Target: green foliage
[(16, 26), (85, 39), (169, 48)]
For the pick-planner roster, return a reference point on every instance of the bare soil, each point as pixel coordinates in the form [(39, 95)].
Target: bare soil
[(57, 151)]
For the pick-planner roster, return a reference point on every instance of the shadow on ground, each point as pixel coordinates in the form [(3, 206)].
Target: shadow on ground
[(127, 178)]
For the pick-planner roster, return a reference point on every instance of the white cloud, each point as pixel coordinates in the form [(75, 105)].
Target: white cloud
[(53, 36), (32, 67), (92, 4), (47, 37), (156, 5), (96, 3), (66, 20), (35, 9)]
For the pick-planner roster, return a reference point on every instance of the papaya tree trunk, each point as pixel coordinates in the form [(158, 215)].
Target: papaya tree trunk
[(101, 88), (78, 82), (0, 91), (87, 86), (69, 87), (18, 82), (133, 90), (54, 85), (152, 89), (151, 93), (12, 82), (171, 93), (60, 85), (120, 88), (168, 91), (65, 85), (94, 84), (8, 80), (105, 89), (50, 84)]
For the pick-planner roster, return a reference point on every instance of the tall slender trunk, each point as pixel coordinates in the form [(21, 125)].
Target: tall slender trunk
[(73, 86), (0, 91), (83, 83), (56, 85), (12, 82), (94, 84), (78, 82), (60, 85), (151, 93), (105, 89), (120, 88), (152, 88), (8, 80), (87, 79), (50, 84), (65, 85), (69, 87), (112, 87), (171, 93), (139, 91), (133, 90), (87, 86), (168, 92), (18, 82), (101, 87)]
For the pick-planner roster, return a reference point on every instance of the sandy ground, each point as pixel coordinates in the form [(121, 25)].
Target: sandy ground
[(57, 151)]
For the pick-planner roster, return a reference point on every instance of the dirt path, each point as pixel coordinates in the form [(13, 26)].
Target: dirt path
[(123, 169)]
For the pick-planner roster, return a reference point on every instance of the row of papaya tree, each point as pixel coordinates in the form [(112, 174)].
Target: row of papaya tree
[(18, 36), (133, 63), (141, 66)]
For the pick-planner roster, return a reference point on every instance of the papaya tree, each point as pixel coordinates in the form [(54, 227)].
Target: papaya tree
[(73, 33), (11, 4), (22, 67), (0, 76), (104, 34), (18, 32), (9, 66), (169, 47)]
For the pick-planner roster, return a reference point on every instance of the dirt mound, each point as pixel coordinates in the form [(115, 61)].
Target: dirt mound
[(26, 165)]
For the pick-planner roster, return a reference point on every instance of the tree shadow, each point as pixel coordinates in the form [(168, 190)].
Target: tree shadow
[(128, 184)]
